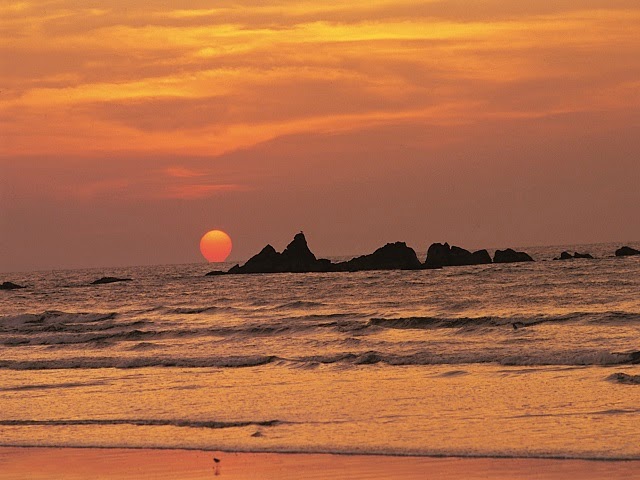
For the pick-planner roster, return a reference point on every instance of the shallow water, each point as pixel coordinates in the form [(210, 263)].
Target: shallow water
[(492, 360)]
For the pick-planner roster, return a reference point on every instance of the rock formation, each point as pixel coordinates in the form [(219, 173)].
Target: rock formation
[(393, 256), (568, 256), (10, 286), (626, 252), (511, 256), (103, 280), (295, 258), (442, 255)]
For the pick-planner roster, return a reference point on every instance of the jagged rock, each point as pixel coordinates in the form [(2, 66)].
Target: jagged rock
[(626, 252), (103, 280), (295, 258), (264, 262), (511, 256), (442, 255), (393, 256), (10, 286)]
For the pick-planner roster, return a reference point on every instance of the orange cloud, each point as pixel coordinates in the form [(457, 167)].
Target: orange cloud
[(81, 76)]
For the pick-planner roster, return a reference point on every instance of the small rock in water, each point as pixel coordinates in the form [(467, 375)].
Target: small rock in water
[(511, 256), (10, 286), (257, 434), (626, 252)]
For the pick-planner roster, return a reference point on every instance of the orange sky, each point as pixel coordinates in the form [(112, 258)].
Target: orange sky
[(128, 129)]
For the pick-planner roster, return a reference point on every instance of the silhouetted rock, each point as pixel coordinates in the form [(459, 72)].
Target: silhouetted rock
[(10, 286), (442, 255), (568, 256), (438, 255), (626, 252), (393, 256), (214, 273), (481, 257), (103, 280), (264, 262), (295, 258), (511, 256)]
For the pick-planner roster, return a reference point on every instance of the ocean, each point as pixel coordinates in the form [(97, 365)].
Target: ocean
[(534, 359)]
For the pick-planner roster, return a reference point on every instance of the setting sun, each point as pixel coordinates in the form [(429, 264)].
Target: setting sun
[(215, 246)]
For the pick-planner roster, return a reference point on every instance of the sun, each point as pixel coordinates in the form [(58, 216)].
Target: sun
[(215, 246)]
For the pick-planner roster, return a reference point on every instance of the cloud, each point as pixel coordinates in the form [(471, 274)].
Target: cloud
[(148, 78)]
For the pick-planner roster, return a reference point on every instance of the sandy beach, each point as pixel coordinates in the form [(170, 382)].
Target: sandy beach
[(121, 464)]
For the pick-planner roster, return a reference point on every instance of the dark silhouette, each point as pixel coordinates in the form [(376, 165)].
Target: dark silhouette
[(511, 256), (103, 280), (10, 286), (298, 258), (568, 256), (215, 272), (295, 258), (393, 256), (442, 255), (626, 252)]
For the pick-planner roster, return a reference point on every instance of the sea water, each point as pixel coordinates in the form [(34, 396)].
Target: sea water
[(528, 360)]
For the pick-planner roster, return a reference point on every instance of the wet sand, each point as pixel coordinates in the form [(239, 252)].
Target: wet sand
[(112, 464)]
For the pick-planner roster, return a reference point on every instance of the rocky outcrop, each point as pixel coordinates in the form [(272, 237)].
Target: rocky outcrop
[(568, 256), (294, 259), (10, 286), (442, 255), (627, 252), (104, 280), (511, 256), (393, 256)]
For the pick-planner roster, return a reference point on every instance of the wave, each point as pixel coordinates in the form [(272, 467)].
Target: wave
[(418, 322), (51, 386), (624, 378), (211, 424), (567, 358), (579, 357), (298, 305), (51, 319), (138, 362)]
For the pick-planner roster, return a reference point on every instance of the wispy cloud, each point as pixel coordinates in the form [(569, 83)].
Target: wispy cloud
[(149, 78)]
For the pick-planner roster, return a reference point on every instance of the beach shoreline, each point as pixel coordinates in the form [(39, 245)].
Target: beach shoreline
[(125, 463)]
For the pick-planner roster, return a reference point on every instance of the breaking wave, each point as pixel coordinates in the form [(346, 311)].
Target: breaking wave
[(578, 357)]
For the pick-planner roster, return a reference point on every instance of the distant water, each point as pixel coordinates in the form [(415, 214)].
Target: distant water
[(492, 360)]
